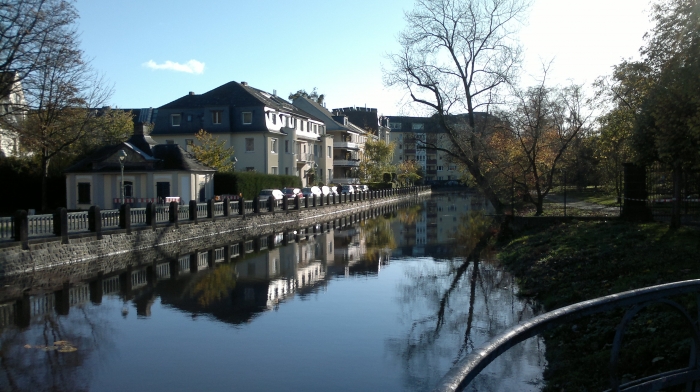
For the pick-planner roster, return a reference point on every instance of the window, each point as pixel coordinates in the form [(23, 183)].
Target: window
[(247, 117), (274, 118), (216, 116), (395, 125), (189, 142), (162, 190), (273, 146), (400, 147), (330, 152), (439, 167), (83, 193), (189, 117), (315, 150), (175, 120), (417, 126), (273, 170), (128, 189), (452, 167), (286, 146), (302, 125), (249, 144), (286, 170), (330, 175)]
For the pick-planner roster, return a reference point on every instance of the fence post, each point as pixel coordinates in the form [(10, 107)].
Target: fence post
[(193, 211), (271, 203), (95, 221), (241, 206), (256, 204), (151, 219), (297, 202), (321, 200), (227, 207), (125, 218), (60, 224), (173, 212), (21, 228), (285, 201), (210, 209)]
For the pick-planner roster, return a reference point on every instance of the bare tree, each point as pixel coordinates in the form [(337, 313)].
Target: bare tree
[(61, 93), (456, 56), (27, 29)]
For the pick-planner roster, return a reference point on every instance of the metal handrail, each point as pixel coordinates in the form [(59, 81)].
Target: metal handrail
[(464, 371)]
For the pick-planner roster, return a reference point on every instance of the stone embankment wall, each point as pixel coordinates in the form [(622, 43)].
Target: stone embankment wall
[(46, 263)]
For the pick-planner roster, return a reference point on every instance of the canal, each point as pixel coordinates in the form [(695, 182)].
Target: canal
[(383, 304)]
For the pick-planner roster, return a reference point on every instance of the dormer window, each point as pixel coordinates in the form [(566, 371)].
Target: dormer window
[(175, 120), (216, 116), (247, 117)]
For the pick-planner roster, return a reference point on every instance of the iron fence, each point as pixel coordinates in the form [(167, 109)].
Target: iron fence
[(660, 194)]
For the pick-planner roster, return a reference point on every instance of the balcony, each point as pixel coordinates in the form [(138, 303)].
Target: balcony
[(305, 158), (346, 162), (346, 145)]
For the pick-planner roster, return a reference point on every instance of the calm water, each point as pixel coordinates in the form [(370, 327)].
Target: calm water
[(385, 305)]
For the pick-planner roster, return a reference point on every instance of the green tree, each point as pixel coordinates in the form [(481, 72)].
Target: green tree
[(376, 160), (407, 172), (213, 152), (667, 126), (314, 96)]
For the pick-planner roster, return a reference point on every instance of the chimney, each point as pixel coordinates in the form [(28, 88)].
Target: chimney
[(274, 92), (244, 83), (191, 92)]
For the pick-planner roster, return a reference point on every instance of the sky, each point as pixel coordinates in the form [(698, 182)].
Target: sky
[(156, 51)]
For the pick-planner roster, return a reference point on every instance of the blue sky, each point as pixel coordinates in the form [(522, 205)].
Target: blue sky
[(337, 47)]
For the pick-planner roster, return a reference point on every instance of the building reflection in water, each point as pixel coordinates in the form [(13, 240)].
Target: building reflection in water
[(446, 308)]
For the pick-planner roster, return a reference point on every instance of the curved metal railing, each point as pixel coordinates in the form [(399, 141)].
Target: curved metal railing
[(468, 368)]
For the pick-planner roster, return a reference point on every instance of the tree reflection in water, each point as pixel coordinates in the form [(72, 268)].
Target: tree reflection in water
[(36, 358), (462, 302)]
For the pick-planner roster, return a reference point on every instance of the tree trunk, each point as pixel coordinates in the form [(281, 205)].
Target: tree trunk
[(676, 211), (44, 182)]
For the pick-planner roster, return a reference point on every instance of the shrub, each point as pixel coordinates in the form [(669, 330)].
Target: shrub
[(250, 183)]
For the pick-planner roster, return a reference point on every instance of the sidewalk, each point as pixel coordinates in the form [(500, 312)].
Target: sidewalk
[(595, 209)]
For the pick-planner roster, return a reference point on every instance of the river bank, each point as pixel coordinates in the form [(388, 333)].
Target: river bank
[(571, 262)]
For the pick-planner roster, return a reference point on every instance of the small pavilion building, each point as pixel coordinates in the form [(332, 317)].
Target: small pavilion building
[(152, 173)]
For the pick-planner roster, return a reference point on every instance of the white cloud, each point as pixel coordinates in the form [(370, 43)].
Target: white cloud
[(192, 66)]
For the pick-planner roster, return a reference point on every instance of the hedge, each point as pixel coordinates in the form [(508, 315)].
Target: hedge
[(251, 183)]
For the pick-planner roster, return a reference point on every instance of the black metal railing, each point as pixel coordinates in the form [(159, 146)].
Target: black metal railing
[(468, 368)]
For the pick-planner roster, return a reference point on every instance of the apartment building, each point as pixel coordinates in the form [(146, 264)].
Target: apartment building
[(268, 134)]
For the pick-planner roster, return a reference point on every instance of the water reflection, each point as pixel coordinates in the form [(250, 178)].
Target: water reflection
[(396, 284)]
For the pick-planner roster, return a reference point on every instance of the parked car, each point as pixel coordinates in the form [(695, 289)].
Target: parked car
[(334, 191), (291, 192), (265, 194), (358, 188), (364, 188), (325, 191), (311, 191), (347, 189)]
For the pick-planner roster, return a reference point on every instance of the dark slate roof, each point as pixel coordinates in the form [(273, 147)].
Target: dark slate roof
[(319, 111), (236, 94), (160, 157)]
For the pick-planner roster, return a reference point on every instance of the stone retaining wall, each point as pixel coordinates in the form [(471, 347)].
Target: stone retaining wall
[(49, 262)]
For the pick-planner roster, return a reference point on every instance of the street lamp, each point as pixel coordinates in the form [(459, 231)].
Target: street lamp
[(235, 161), (122, 157)]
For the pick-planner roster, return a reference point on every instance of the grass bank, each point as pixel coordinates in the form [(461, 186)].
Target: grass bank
[(573, 262)]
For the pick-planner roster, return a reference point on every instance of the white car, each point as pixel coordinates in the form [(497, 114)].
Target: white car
[(311, 191), (265, 194)]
